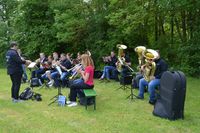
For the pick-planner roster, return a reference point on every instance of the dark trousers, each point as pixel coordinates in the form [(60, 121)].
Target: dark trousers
[(125, 71), (37, 73), (16, 82), (76, 88)]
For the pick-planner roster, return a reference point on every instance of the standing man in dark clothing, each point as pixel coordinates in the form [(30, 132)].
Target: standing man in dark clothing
[(14, 69)]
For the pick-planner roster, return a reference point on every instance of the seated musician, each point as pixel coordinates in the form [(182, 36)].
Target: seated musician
[(125, 70), (77, 60), (64, 64), (111, 61), (141, 60), (87, 75), (41, 65), (154, 80), (69, 57), (50, 69)]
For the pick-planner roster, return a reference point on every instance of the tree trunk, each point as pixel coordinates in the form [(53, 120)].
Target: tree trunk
[(156, 21), (172, 28), (178, 29), (183, 17), (190, 23)]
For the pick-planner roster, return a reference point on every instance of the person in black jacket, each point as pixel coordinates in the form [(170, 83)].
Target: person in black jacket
[(14, 69), (110, 67)]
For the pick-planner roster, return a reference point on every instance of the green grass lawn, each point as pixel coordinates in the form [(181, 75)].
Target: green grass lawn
[(114, 114)]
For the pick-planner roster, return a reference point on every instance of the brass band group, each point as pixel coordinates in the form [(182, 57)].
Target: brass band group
[(78, 74)]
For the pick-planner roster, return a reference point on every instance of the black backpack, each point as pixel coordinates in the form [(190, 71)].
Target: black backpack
[(26, 94), (35, 82), (37, 97)]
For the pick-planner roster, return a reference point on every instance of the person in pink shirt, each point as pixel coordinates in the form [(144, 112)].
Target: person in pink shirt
[(88, 79)]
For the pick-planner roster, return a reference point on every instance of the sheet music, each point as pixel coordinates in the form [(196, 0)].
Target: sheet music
[(32, 65)]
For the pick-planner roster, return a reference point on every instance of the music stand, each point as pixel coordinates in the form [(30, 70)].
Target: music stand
[(125, 81), (131, 88), (131, 95), (132, 74), (56, 96), (32, 66), (123, 86)]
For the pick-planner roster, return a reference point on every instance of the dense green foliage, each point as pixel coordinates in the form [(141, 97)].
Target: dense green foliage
[(98, 25), (114, 114)]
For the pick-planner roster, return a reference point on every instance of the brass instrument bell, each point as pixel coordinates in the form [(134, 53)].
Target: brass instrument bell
[(150, 67), (139, 50)]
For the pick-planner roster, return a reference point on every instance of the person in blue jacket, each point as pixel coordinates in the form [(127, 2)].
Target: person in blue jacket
[(14, 69)]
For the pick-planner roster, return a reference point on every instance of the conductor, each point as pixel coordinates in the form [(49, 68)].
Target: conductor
[(14, 69)]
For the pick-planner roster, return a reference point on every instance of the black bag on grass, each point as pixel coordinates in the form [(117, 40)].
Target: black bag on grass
[(26, 94), (37, 97), (172, 96)]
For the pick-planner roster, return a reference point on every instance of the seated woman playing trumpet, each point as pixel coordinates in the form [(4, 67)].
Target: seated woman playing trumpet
[(152, 72), (87, 79)]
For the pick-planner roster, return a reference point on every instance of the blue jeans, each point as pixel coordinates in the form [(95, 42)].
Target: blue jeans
[(64, 75), (151, 88), (106, 71), (55, 76), (37, 73)]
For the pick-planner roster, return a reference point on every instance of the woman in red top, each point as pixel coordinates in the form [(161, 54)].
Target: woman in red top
[(87, 76)]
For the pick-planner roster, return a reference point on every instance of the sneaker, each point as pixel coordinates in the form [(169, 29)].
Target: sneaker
[(73, 104), (152, 102), (16, 100), (68, 102), (51, 83), (139, 97), (101, 78)]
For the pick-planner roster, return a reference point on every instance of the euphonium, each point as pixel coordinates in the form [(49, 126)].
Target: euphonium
[(121, 59), (150, 65)]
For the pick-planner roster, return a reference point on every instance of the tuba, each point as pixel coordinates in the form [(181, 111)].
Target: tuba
[(139, 50), (149, 66), (121, 59)]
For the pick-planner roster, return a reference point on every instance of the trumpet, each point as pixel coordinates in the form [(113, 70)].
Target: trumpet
[(75, 70), (56, 65)]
